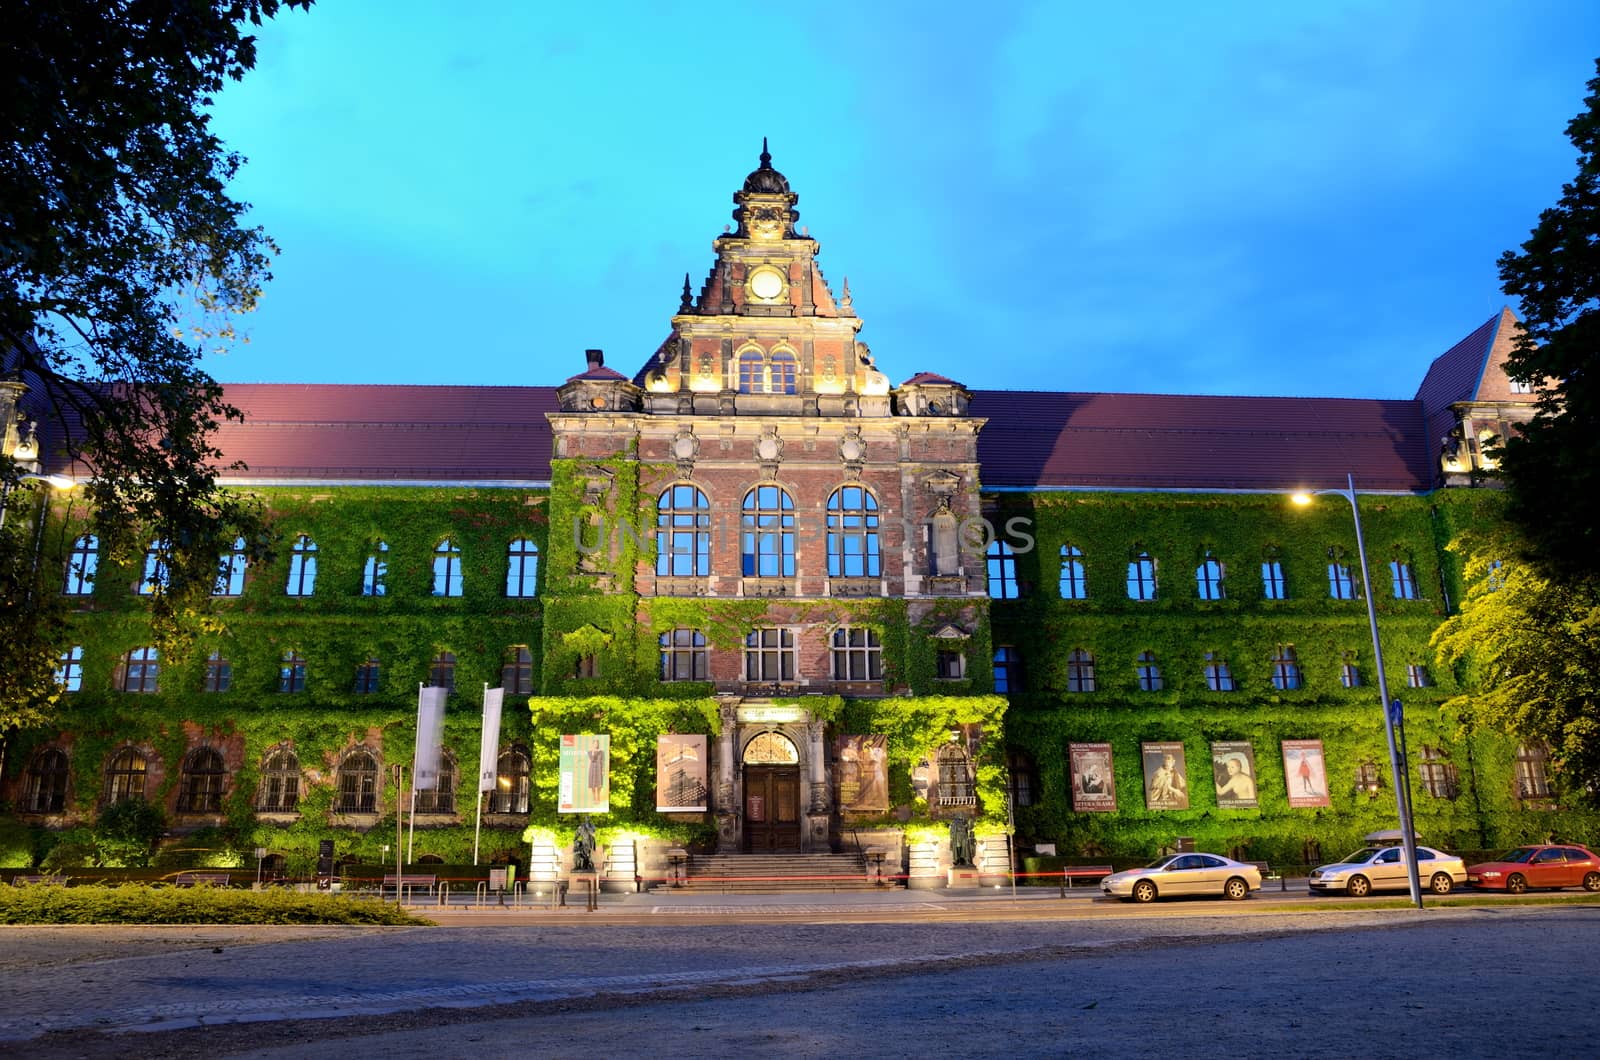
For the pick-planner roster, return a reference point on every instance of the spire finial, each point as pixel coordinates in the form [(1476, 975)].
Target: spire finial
[(845, 301), (688, 297), (766, 156)]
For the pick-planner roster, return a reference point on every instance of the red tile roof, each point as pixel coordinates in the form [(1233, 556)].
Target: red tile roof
[(1456, 374), (929, 377), (600, 373)]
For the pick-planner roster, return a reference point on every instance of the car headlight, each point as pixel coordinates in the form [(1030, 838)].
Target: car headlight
[(1491, 875)]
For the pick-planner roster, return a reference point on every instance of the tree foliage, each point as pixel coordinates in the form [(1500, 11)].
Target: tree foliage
[(1529, 645), (1556, 276), (122, 258)]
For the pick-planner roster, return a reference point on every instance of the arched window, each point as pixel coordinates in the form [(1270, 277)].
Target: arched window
[(302, 567), (230, 571), (516, 673), (857, 654), (957, 785), (1219, 676), (201, 782), (1285, 669), (853, 533), (768, 538), (1142, 577), (1272, 585), (1002, 566), (357, 781), (375, 572), (1533, 770), (45, 786), (1148, 672), (368, 675), (82, 562), (511, 771), (752, 372), (1340, 584), (155, 572), (1080, 671), (683, 532), (219, 674), (1022, 773), (1440, 777), (1208, 578), (781, 373), (770, 749), (522, 569), (442, 671), (447, 569), (292, 672), (125, 776), (69, 669), (441, 798), (280, 782), (1005, 669), (684, 656), (1073, 585), (1405, 583), (141, 671)]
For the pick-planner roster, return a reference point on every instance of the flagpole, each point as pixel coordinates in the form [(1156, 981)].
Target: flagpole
[(477, 828)]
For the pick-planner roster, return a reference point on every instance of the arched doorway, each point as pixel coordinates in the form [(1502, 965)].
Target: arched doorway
[(771, 794)]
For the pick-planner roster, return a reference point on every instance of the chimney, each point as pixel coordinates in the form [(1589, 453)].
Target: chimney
[(597, 358)]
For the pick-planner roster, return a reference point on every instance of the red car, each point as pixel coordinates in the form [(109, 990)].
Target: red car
[(1556, 865)]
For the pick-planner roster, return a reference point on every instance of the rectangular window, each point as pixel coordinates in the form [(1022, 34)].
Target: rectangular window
[(1340, 584), (684, 656), (516, 675), (950, 665), (1272, 580), (367, 677), (769, 655), (1405, 583), (69, 674), (219, 674), (857, 655)]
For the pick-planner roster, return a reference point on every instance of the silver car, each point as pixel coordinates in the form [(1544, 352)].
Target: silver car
[(1209, 874), (1383, 868)]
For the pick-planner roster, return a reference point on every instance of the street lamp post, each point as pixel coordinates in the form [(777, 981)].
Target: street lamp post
[(1391, 718), (60, 482)]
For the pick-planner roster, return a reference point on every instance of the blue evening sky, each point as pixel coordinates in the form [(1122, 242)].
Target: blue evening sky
[(1227, 198)]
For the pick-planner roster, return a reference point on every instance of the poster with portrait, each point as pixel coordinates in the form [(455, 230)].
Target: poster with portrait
[(1093, 788), (863, 768), (680, 773), (1166, 776), (1305, 774), (584, 784), (1233, 771)]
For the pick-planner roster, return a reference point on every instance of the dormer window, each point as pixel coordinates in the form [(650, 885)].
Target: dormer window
[(760, 373)]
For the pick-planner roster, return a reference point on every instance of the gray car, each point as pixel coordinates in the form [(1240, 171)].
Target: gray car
[(1184, 874), (1383, 868)]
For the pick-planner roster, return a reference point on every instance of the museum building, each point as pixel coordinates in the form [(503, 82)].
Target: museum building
[(854, 609)]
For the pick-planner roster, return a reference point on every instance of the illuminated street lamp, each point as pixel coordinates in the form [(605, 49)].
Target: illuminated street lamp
[(60, 482), (1391, 719)]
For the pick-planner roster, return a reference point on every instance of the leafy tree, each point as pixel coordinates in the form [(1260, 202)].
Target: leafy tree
[(1529, 645), (1555, 462), (122, 258), (126, 833)]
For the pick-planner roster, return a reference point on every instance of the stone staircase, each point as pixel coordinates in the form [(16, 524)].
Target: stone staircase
[(776, 873)]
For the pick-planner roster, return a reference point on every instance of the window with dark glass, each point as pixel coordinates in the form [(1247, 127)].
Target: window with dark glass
[(684, 656), (781, 373), (683, 532), (1533, 771), (45, 783), (69, 669), (230, 571), (141, 671), (1142, 577), (510, 794), (125, 776), (442, 797), (201, 782), (280, 782), (357, 783), (1440, 777), (375, 572), (1285, 669), (367, 675), (1080, 671), (752, 372), (155, 571), (522, 569), (292, 672), (769, 655), (857, 654), (82, 563), (1023, 774), (950, 664), (1002, 565), (586, 666), (516, 673), (957, 785), (768, 533), (447, 569), (1073, 585), (853, 534), (302, 567), (1272, 585), (1005, 669), (1405, 582), (1208, 579), (1148, 672), (1349, 675), (219, 674), (1367, 781), (1417, 675), (442, 671), (1219, 676)]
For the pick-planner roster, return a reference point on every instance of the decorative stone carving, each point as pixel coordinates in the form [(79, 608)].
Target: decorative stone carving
[(597, 480), (685, 449), (943, 484), (769, 451), (852, 453)]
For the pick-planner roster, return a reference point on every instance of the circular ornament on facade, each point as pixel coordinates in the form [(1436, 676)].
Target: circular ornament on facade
[(852, 448), (683, 447), (936, 407), (597, 402), (766, 284), (769, 447)]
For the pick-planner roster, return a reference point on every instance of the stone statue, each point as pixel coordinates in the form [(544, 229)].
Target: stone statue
[(963, 844), (583, 847)]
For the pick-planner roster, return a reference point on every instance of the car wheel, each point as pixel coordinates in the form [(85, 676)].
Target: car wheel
[(1516, 883), (1591, 881), (1358, 887), (1144, 891), (1441, 883), (1236, 889)]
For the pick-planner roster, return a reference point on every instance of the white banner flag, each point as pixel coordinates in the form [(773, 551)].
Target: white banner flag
[(489, 749), (430, 729)]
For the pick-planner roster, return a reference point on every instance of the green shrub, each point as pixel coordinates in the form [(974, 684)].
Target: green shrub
[(69, 854), (126, 832), (137, 904)]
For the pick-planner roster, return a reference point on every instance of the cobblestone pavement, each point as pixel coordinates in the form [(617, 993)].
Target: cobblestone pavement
[(1348, 981)]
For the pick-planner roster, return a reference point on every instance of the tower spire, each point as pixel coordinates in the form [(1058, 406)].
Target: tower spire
[(766, 156), (687, 302)]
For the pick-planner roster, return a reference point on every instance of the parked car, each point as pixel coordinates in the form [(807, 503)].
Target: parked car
[(1545, 865), (1379, 867), (1175, 874)]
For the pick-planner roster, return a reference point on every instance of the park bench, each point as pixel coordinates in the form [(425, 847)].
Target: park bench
[(39, 881), (1267, 874), (200, 879), (410, 881), (1082, 872)]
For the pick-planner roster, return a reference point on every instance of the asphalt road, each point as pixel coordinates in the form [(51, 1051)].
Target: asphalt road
[(780, 977)]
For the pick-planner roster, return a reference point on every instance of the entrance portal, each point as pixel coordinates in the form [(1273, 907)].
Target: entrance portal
[(771, 795)]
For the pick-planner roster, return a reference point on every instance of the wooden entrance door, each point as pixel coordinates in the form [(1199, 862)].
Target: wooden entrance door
[(771, 809)]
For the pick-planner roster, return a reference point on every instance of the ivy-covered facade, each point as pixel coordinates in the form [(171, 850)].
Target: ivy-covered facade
[(1095, 618)]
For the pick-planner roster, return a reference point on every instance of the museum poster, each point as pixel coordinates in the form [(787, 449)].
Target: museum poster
[(1233, 771), (585, 774), (1305, 774), (680, 773), (1093, 789), (863, 772), (1166, 776)]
